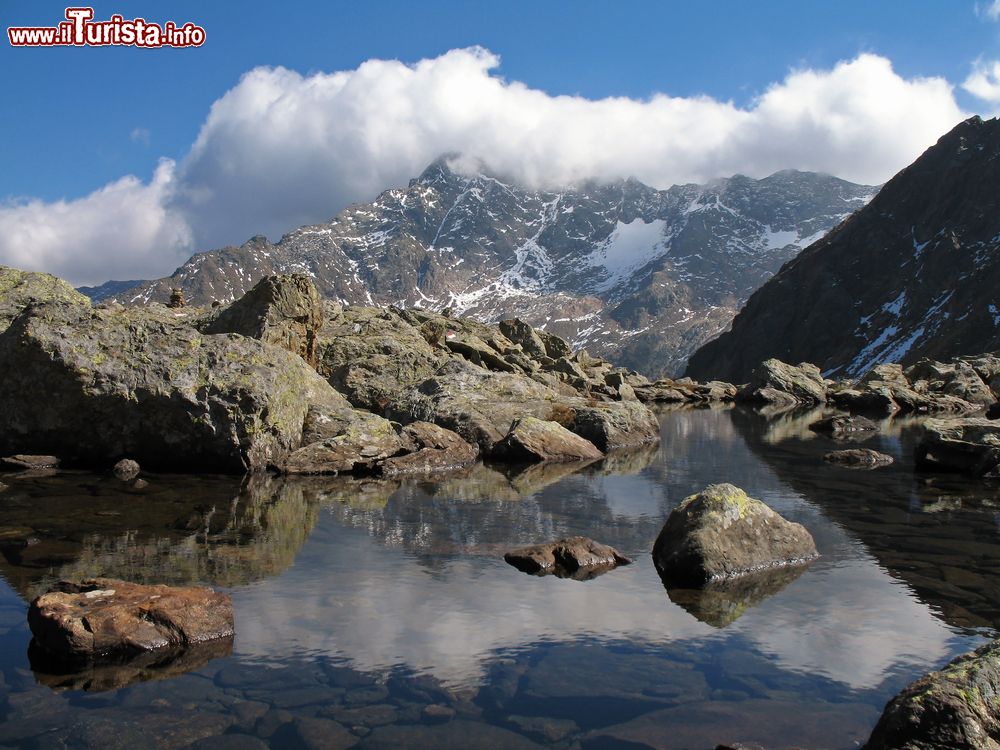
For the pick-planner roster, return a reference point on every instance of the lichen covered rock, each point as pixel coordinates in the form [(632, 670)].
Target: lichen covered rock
[(532, 439), (722, 533), (957, 708)]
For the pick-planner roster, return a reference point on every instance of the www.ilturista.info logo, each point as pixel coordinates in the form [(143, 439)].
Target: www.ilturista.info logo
[(80, 30)]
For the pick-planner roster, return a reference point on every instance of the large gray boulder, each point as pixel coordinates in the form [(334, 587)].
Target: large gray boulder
[(284, 310), (970, 445), (957, 708), (95, 384), (721, 533), (779, 384)]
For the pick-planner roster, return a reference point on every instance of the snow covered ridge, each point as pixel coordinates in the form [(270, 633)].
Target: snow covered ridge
[(639, 275)]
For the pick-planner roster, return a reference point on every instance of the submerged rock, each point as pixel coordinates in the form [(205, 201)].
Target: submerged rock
[(858, 458), (573, 557), (284, 310), (722, 533), (532, 439), (780, 384), (970, 446), (102, 617), (956, 708), (114, 674)]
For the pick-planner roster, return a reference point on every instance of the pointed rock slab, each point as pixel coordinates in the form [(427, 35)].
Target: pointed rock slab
[(573, 557), (103, 617), (284, 310), (958, 707), (722, 533), (532, 439)]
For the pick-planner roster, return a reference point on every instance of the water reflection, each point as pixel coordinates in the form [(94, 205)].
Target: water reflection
[(364, 602)]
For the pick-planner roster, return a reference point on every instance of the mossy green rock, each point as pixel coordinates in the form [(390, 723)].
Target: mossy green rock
[(18, 289), (95, 384), (722, 533), (957, 708)]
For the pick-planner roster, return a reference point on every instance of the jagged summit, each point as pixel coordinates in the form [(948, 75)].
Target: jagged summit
[(635, 273), (913, 274)]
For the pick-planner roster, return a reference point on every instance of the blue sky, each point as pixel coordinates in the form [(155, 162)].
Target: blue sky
[(79, 119)]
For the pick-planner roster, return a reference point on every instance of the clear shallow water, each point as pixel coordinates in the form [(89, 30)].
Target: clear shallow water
[(382, 613)]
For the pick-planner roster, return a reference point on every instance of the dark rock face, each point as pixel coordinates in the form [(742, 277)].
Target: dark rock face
[(105, 617), (954, 708), (642, 276), (574, 557), (722, 533), (858, 458), (283, 310), (970, 446), (532, 439), (783, 385), (911, 275)]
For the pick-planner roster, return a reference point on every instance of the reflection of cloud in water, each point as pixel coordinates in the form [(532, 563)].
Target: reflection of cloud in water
[(352, 597)]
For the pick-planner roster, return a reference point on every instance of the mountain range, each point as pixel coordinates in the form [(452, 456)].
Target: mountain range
[(914, 274), (638, 275)]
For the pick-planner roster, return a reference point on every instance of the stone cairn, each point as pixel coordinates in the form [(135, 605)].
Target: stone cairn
[(176, 297)]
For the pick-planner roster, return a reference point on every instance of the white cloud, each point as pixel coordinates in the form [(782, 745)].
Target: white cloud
[(984, 81), (124, 230), (281, 149), (139, 135), (990, 9)]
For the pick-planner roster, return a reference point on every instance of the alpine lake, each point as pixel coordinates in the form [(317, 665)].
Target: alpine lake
[(382, 614)]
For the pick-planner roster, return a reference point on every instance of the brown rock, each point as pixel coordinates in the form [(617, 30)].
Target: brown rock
[(574, 557), (532, 439), (844, 426), (105, 616), (970, 446)]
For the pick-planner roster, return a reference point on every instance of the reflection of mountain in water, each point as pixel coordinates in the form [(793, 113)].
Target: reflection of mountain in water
[(936, 533), (180, 530)]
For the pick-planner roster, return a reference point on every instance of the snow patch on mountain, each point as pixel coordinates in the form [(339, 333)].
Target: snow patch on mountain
[(629, 247)]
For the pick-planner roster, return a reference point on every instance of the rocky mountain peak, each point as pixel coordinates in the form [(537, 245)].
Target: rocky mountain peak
[(913, 274), (637, 274)]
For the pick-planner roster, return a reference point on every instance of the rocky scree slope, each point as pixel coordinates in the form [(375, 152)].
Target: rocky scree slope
[(640, 276), (914, 274)]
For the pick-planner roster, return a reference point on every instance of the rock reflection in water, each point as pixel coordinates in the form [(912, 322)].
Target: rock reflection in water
[(722, 603), (183, 530), (101, 675)]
